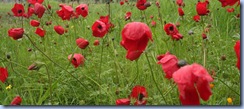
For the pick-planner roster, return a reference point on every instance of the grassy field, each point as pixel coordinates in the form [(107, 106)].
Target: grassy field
[(103, 82)]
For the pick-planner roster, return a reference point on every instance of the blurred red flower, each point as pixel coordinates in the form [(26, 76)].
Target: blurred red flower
[(82, 10), (135, 36), (196, 18), (96, 42), (18, 10), (40, 32), (124, 101), (153, 23), (139, 93), (30, 12), (100, 27), (181, 12), (35, 1), (230, 10), (140, 4), (169, 64), (204, 36), (127, 16), (193, 81), (3, 74), (179, 2), (39, 10), (121, 3), (82, 43), (172, 30), (16, 101), (238, 55), (59, 29), (49, 7), (16, 33), (34, 23), (65, 12), (229, 2), (77, 59), (202, 8)]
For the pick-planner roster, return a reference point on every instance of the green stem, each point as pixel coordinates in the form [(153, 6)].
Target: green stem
[(228, 87), (100, 68), (154, 80), (137, 70), (50, 83), (54, 61)]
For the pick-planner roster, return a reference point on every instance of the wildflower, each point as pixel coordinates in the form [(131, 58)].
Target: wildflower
[(139, 93), (229, 100), (228, 2), (135, 36), (181, 12), (96, 42), (40, 32), (179, 2), (16, 33), (16, 101), (59, 29), (82, 43), (34, 23), (39, 10), (101, 27), (8, 87), (237, 50), (141, 4), (82, 10), (35, 1), (172, 30), (127, 16), (204, 36), (124, 101), (121, 3), (77, 59), (230, 10), (201, 8), (18, 10), (196, 18), (65, 12), (153, 23), (3, 74)]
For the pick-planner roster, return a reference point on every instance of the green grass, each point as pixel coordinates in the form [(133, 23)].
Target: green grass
[(117, 73)]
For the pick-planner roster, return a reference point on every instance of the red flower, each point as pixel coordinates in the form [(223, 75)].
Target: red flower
[(66, 12), (96, 42), (3, 74), (139, 93), (59, 29), (135, 36), (193, 81), (16, 33), (229, 2), (238, 55), (140, 4), (179, 2), (40, 32), (39, 10), (172, 30), (16, 101), (204, 36), (77, 59), (181, 12), (127, 16), (18, 10), (30, 12), (124, 101), (100, 27), (201, 8), (49, 6), (82, 43), (230, 10), (153, 23), (121, 3), (34, 23), (169, 64), (35, 1), (196, 18), (157, 4), (82, 10)]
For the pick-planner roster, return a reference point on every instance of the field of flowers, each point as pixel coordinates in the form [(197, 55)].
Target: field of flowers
[(140, 52)]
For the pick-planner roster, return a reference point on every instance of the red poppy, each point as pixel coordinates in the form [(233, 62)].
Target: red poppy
[(196, 18), (66, 12), (16, 33), (82, 10), (77, 59), (59, 29), (172, 30), (193, 81), (121, 3), (82, 43), (18, 10), (100, 27), (202, 8), (204, 36), (96, 42), (35, 1), (16, 101), (230, 10), (135, 36), (139, 93), (181, 12), (157, 4), (140, 4), (49, 7), (153, 23), (238, 55), (179, 2), (169, 64), (124, 101), (229, 2), (30, 12), (39, 10), (127, 16), (3, 74), (34, 23), (40, 32)]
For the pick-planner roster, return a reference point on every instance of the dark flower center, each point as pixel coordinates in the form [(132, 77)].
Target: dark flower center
[(140, 96), (171, 28), (20, 11), (99, 27), (74, 59), (82, 8)]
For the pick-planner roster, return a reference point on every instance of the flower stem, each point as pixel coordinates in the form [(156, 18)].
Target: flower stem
[(154, 80), (100, 69), (54, 61), (228, 87), (50, 83)]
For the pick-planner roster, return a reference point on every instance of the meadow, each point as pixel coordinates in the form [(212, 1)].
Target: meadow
[(107, 75)]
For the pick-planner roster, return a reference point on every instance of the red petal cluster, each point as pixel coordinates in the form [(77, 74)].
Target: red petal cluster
[(16, 101), (16, 33), (172, 30), (3, 74), (77, 59), (202, 8), (82, 10), (101, 27), (238, 55), (65, 12)]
